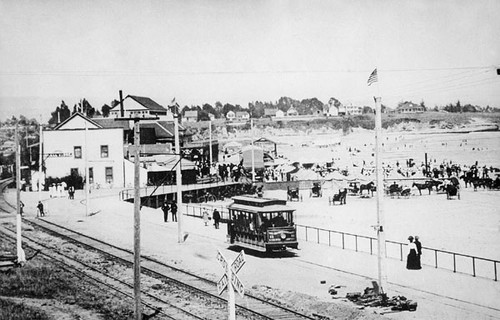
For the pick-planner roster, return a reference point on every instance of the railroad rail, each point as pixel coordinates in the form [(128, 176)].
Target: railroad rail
[(252, 306)]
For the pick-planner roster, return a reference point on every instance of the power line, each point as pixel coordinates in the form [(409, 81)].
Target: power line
[(174, 73)]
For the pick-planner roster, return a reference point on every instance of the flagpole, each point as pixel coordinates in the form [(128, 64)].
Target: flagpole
[(382, 277)]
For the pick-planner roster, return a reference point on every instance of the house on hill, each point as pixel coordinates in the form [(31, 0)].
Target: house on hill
[(242, 116), (410, 107), (270, 112), (143, 107), (230, 115), (191, 116), (292, 112), (280, 114)]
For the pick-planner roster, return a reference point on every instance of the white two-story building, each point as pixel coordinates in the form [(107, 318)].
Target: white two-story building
[(80, 141)]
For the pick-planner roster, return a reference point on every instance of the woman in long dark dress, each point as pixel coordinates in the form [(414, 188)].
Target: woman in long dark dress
[(412, 262)]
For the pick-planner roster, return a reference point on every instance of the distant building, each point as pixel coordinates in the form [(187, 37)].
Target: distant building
[(292, 112), (230, 115), (353, 110), (410, 107), (143, 107), (68, 144), (270, 112), (280, 114), (191, 116), (242, 116)]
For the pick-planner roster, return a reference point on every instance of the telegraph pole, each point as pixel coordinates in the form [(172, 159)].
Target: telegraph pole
[(178, 173), (21, 258), (210, 139), (253, 152), (87, 180), (137, 213), (40, 161)]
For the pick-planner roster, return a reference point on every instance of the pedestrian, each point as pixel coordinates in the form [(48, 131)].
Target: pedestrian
[(412, 262), (165, 207), (40, 209), (419, 250), (216, 217), (21, 207), (173, 208), (205, 217), (71, 192)]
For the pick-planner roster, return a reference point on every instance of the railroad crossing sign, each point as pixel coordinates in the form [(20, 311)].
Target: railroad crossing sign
[(230, 280), (230, 273)]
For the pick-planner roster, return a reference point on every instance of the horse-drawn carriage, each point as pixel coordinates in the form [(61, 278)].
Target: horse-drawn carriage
[(452, 187), (396, 190), (316, 190), (339, 197), (293, 194)]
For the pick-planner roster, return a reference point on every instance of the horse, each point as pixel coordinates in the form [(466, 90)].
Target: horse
[(434, 183), (482, 182), (467, 177), (421, 186), (369, 186)]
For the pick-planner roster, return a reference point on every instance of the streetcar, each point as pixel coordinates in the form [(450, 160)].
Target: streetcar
[(261, 224)]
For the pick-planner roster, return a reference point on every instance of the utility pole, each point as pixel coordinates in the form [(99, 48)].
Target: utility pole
[(137, 223), (253, 152), (178, 173), (87, 180), (210, 140), (40, 161), (21, 257), (137, 213)]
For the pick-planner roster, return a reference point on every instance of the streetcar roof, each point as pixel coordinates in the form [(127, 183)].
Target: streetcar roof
[(266, 209), (256, 201)]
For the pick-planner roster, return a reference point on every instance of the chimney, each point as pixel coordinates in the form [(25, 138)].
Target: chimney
[(121, 105)]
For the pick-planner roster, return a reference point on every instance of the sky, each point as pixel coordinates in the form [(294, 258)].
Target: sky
[(203, 51)]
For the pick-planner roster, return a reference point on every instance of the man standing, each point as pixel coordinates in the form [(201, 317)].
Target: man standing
[(40, 209), (165, 209), (216, 217), (173, 208)]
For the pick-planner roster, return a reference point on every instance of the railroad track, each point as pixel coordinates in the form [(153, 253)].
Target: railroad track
[(192, 286), (4, 205), (250, 307)]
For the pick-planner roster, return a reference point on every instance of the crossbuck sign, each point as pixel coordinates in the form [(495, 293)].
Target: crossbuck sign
[(230, 280)]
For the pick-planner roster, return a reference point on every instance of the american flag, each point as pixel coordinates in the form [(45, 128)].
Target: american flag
[(373, 77)]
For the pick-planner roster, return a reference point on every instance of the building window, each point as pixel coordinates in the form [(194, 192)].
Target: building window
[(109, 175), (91, 175), (104, 151), (77, 152)]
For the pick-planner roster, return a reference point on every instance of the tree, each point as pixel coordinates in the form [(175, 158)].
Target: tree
[(422, 104), (61, 113), (105, 110)]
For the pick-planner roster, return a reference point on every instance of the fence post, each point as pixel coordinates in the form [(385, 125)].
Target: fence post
[(343, 243), (306, 233), (473, 267), (329, 238), (436, 258), (454, 264), (371, 246), (317, 234), (495, 267), (356, 240)]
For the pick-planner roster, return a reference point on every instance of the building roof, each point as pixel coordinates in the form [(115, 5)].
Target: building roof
[(242, 113), (75, 115), (408, 105), (112, 123), (146, 102)]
